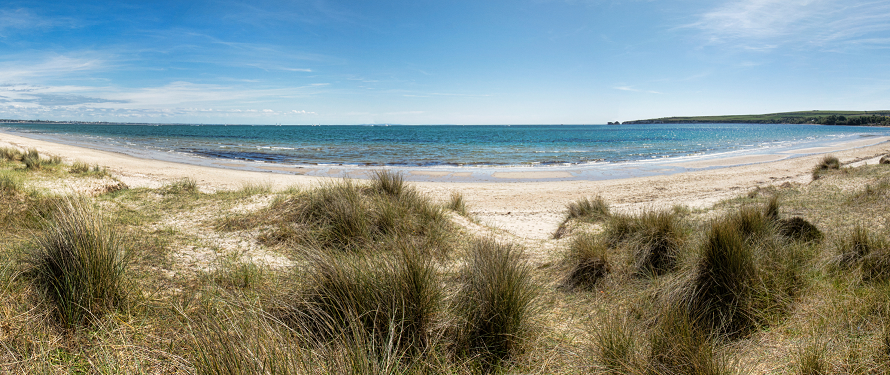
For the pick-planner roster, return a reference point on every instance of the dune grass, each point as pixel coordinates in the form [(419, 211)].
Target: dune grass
[(458, 204), (496, 303), (827, 164), (84, 169), (653, 237), (348, 216), (10, 154), (586, 262), (79, 264), (186, 185), (391, 298), (758, 283), (588, 210)]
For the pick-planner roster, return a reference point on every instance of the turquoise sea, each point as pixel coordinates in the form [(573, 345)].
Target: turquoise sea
[(444, 146)]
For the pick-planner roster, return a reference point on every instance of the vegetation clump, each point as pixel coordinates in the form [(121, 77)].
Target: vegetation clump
[(348, 216), (182, 186), (80, 263), (885, 159), (859, 248), (654, 238), (586, 261), (10, 154), (827, 164), (82, 168), (799, 229), (458, 204), (392, 298), (585, 210), (495, 305)]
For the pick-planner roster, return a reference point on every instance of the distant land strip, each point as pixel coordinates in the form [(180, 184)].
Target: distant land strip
[(862, 118)]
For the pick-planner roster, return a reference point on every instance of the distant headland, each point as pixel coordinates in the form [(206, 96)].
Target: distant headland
[(864, 118)]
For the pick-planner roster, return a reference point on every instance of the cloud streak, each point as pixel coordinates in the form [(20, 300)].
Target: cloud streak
[(764, 25)]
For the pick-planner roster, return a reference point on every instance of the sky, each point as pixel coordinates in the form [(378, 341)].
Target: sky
[(438, 62)]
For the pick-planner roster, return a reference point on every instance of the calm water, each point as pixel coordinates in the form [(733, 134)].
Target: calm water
[(430, 146)]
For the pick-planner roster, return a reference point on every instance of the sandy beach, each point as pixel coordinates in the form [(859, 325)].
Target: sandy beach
[(530, 210)]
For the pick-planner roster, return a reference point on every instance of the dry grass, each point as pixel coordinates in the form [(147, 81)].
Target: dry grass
[(757, 284)]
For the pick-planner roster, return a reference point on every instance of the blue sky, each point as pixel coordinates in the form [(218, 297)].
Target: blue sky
[(444, 62)]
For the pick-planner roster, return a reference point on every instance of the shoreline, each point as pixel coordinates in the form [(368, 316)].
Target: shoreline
[(529, 208), (496, 173)]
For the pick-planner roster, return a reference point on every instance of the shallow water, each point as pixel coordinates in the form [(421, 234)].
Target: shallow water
[(590, 151)]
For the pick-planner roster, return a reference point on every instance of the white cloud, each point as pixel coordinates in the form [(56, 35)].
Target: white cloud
[(768, 24)]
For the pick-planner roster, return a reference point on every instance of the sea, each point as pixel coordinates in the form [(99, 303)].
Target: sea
[(585, 151)]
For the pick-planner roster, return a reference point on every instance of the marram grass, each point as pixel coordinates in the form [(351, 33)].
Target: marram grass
[(79, 263)]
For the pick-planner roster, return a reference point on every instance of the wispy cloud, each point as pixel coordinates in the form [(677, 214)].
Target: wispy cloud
[(24, 20), (632, 89), (764, 25), (42, 67)]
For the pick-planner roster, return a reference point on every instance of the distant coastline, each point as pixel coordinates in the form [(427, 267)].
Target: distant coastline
[(852, 118)]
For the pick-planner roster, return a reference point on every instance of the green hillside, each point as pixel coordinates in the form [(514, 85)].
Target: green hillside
[(873, 118)]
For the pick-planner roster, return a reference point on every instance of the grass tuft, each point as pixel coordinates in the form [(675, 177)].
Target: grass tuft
[(811, 360), (585, 210), (388, 182), (828, 163), (616, 347), (591, 210), (392, 298), (720, 291), (654, 237), (82, 168), (79, 263), (458, 204), (885, 159), (851, 248), (9, 183), (32, 159), (10, 154), (679, 345), (799, 229), (586, 261), (186, 185), (495, 304), (347, 216)]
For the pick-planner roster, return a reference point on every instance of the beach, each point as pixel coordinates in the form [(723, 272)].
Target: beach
[(530, 210)]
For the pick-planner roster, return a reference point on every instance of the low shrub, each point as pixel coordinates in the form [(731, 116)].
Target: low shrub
[(495, 304), (586, 261), (828, 163), (79, 263), (885, 159)]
